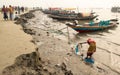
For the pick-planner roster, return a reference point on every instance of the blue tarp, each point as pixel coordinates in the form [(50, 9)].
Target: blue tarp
[(89, 60), (91, 23), (104, 23), (76, 49)]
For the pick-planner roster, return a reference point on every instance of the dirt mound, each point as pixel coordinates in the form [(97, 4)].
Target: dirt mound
[(24, 17), (32, 64)]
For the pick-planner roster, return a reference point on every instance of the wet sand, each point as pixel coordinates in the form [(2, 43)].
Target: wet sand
[(55, 48), (13, 42)]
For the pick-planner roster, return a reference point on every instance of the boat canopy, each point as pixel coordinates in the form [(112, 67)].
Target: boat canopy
[(86, 14), (55, 8), (69, 8)]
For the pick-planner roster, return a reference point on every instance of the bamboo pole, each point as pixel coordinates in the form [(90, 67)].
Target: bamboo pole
[(68, 35)]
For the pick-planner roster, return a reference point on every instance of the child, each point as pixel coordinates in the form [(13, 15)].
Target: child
[(16, 16)]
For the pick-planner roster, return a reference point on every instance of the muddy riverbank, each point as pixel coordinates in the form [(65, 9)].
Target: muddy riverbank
[(54, 55)]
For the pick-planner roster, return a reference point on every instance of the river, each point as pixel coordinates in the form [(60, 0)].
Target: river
[(108, 41)]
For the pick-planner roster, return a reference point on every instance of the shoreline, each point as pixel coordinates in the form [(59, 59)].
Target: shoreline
[(55, 54)]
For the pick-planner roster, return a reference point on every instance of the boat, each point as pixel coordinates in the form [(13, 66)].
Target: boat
[(52, 11), (92, 26), (55, 11), (72, 16), (115, 9)]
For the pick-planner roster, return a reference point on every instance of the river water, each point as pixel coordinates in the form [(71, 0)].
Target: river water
[(108, 41)]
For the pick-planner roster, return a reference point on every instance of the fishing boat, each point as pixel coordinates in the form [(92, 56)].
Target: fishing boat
[(115, 9), (92, 26), (52, 11), (55, 11), (72, 16)]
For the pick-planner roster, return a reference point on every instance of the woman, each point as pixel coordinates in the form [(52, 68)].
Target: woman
[(92, 48)]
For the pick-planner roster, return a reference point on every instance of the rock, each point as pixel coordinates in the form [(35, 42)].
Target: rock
[(21, 21), (47, 33), (29, 31), (28, 15), (38, 34), (57, 65), (68, 73), (63, 66), (52, 73), (70, 54), (45, 69)]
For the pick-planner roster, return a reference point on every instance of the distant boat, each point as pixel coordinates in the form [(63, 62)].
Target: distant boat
[(90, 27), (72, 16), (115, 9), (56, 10), (68, 14), (52, 11)]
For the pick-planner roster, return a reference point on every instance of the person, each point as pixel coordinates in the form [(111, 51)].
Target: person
[(22, 9), (75, 22), (5, 10), (92, 48), (16, 16), (11, 12), (18, 8)]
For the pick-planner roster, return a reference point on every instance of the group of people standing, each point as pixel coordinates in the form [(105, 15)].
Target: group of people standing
[(6, 10), (10, 10)]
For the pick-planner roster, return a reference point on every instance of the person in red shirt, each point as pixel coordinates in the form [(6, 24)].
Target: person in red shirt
[(92, 48), (5, 11)]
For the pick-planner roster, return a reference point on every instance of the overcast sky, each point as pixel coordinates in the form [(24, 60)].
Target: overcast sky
[(62, 3)]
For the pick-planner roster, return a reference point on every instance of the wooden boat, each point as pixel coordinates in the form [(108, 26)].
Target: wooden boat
[(87, 27), (115, 9), (72, 17), (53, 11), (56, 11)]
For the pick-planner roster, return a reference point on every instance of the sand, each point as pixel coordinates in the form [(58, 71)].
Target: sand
[(13, 42)]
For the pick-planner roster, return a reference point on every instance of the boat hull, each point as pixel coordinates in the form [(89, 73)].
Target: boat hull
[(72, 18), (83, 29)]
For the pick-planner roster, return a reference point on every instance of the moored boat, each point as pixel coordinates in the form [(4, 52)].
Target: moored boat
[(72, 17), (89, 27)]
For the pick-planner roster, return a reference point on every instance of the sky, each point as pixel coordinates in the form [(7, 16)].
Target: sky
[(62, 3)]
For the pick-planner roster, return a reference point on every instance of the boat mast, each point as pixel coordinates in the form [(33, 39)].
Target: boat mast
[(77, 9)]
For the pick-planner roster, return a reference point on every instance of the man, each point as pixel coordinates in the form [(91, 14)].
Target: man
[(92, 48), (5, 10), (11, 10)]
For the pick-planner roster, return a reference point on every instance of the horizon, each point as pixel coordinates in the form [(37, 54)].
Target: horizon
[(62, 4)]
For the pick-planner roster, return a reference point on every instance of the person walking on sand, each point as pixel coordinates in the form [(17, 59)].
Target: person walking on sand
[(22, 9), (18, 8), (5, 10), (11, 10), (92, 48)]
